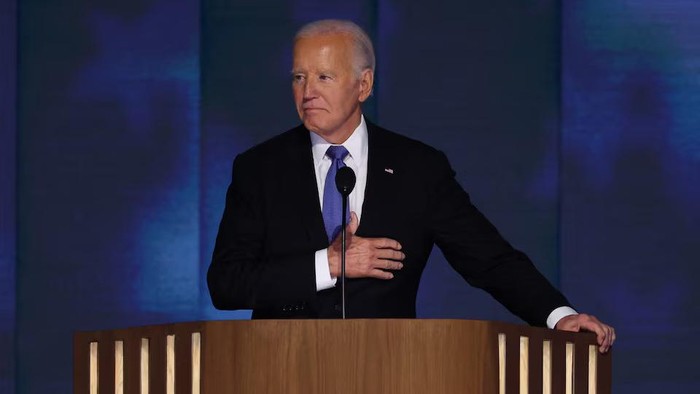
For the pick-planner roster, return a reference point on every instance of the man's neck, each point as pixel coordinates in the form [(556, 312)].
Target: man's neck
[(340, 136)]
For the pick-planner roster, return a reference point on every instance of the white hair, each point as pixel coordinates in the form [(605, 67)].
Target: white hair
[(363, 57)]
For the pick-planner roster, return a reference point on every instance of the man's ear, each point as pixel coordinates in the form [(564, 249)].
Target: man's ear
[(366, 84)]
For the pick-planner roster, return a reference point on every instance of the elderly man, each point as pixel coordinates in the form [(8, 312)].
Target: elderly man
[(278, 248)]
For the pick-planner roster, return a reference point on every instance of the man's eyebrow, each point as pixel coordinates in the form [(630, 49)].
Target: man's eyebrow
[(320, 72)]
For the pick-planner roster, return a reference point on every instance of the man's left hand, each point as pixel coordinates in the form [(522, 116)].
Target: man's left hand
[(576, 323)]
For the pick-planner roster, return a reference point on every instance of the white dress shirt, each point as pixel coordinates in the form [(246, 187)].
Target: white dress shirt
[(356, 159)]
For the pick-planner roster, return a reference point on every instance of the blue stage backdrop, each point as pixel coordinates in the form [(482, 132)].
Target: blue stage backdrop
[(8, 129), (631, 182), (108, 174), (130, 113)]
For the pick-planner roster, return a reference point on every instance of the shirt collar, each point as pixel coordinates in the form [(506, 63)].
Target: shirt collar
[(356, 144)]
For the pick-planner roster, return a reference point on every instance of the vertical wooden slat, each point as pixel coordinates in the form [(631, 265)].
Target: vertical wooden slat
[(513, 364), (524, 365), (535, 362), (502, 363), (546, 367), (196, 362), (170, 364), (569, 376), (132, 363), (94, 371), (158, 363), (145, 363), (106, 364), (183, 361), (581, 368), (118, 367), (558, 366), (605, 373), (81, 365), (592, 369)]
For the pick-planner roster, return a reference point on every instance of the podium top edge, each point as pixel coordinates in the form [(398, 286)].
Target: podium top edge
[(508, 329)]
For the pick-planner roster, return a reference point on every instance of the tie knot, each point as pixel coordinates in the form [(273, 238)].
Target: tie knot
[(337, 152)]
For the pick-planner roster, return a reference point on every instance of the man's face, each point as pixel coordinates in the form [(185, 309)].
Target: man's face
[(327, 91)]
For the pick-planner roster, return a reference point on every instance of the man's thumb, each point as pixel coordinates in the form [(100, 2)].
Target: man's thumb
[(354, 223)]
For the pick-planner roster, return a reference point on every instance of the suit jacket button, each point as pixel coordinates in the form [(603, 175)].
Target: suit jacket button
[(337, 307), (286, 308)]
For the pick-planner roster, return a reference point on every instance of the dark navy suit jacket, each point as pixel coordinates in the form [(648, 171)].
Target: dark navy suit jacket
[(272, 226)]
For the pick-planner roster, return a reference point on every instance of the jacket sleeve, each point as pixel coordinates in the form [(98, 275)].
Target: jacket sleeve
[(243, 274), (475, 249)]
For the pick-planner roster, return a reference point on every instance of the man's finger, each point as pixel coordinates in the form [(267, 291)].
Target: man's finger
[(595, 327), (390, 254), (605, 334), (386, 243), (390, 265), (602, 331), (380, 274), (610, 336), (354, 223)]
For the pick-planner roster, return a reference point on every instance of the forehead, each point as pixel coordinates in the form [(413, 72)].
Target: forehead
[(333, 49)]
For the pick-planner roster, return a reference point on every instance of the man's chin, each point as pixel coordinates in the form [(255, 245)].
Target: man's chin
[(313, 127)]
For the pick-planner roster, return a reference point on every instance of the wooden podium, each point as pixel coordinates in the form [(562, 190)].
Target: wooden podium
[(339, 356)]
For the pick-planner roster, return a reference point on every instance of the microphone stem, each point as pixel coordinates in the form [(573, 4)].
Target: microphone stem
[(342, 257)]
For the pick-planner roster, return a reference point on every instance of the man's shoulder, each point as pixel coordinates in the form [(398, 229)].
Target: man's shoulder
[(279, 145), (399, 143)]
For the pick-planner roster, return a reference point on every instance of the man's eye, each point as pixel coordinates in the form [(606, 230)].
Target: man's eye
[(324, 77), (298, 78)]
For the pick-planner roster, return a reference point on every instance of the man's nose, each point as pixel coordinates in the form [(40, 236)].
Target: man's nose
[(309, 89)]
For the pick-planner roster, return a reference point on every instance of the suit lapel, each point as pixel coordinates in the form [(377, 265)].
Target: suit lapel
[(301, 181), (380, 190), (381, 182)]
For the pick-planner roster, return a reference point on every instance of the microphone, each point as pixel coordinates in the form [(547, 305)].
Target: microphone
[(345, 182)]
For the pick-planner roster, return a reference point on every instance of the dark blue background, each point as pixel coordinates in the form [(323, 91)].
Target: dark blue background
[(8, 133), (574, 126)]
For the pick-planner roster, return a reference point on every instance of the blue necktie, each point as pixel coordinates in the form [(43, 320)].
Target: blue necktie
[(332, 200)]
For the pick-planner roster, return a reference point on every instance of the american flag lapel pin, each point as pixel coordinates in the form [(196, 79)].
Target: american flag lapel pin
[(389, 171)]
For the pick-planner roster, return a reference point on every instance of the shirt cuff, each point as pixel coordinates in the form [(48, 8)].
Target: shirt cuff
[(323, 271), (558, 314)]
